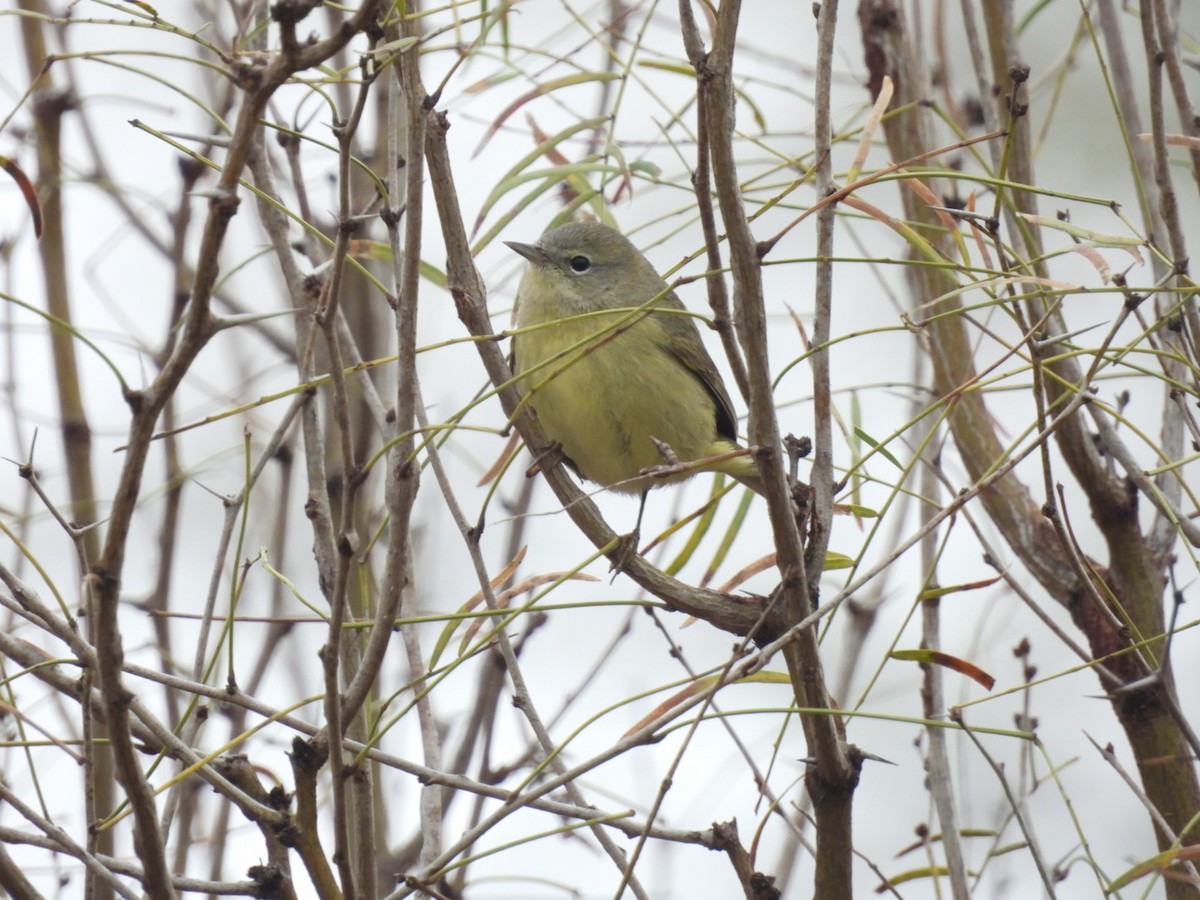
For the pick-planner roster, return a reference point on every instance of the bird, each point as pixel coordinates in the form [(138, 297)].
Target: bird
[(620, 392)]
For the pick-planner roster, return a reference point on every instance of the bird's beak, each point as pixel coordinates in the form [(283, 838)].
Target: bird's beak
[(531, 252)]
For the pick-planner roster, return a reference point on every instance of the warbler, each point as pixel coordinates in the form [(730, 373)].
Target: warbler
[(606, 381)]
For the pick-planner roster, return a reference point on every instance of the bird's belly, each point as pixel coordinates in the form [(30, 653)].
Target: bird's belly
[(605, 403)]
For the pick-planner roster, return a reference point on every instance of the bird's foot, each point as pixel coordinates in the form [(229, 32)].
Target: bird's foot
[(547, 459)]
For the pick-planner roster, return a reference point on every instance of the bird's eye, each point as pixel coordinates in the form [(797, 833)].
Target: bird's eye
[(580, 264)]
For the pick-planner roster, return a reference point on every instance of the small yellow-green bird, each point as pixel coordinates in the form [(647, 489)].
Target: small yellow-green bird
[(604, 380)]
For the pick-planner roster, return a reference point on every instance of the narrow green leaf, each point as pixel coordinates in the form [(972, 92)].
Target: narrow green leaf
[(1158, 863), (878, 447), (1084, 234), (934, 593)]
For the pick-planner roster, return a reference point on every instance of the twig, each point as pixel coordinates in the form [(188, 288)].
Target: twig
[(66, 845), (1136, 789), (1015, 805)]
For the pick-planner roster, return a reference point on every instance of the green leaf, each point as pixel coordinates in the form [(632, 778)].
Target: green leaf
[(934, 593), (1157, 863), (875, 445), (835, 561)]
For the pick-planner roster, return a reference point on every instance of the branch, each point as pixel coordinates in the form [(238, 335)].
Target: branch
[(834, 766)]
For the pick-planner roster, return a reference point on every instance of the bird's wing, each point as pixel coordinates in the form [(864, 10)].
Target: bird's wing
[(683, 341)]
